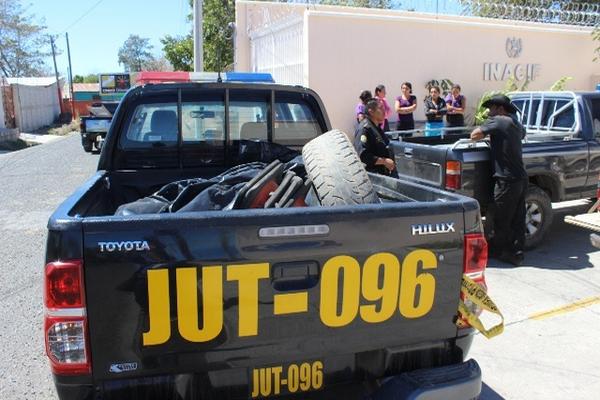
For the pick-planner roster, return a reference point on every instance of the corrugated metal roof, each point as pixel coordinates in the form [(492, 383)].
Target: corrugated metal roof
[(86, 87), (32, 81)]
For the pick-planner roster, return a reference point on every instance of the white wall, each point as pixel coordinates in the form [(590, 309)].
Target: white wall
[(343, 59), (35, 106), (350, 49)]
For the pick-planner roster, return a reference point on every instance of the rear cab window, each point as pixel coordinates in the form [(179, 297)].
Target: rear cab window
[(547, 114), (197, 126)]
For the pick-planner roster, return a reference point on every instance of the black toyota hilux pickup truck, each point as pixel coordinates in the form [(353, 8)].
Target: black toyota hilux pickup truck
[(561, 153), (355, 299)]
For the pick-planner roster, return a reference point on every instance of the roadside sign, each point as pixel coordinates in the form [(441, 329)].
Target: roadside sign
[(114, 83)]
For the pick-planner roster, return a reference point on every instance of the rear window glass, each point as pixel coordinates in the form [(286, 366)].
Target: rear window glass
[(532, 121), (548, 109), (295, 123), (203, 121), (519, 104), (154, 123), (595, 103), (248, 118), (564, 117)]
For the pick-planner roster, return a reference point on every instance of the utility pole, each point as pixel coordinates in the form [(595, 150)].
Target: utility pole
[(56, 74), (70, 77), (198, 45)]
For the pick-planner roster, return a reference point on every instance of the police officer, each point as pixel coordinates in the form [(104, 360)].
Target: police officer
[(371, 143), (505, 133)]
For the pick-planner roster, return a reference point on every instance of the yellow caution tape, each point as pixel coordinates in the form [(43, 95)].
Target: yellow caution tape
[(475, 293)]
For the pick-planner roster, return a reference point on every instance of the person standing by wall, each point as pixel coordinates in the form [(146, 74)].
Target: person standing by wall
[(380, 95), (506, 132), (372, 143), (360, 110), (435, 109), (405, 105), (456, 104)]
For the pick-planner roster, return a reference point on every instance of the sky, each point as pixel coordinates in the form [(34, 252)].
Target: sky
[(98, 28)]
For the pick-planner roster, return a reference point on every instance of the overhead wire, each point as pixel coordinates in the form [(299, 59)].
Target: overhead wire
[(96, 4)]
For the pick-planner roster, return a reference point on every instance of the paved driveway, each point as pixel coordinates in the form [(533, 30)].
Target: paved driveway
[(550, 348)]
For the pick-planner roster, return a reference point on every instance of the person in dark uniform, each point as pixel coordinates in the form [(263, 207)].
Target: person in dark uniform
[(505, 133), (371, 143)]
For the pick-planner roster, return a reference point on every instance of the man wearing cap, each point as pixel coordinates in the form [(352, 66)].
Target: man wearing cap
[(505, 133), (372, 144)]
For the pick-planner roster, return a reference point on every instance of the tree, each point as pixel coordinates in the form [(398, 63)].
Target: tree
[(78, 79), (217, 37), (179, 51), (218, 42), (159, 64), (135, 53), (22, 42), (218, 16), (90, 78)]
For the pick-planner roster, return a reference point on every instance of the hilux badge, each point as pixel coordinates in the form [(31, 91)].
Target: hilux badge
[(432, 229), (123, 367)]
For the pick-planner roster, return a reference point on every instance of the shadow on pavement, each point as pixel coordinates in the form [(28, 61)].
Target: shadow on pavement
[(566, 247), (487, 393)]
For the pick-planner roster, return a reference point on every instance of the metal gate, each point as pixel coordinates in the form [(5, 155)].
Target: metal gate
[(279, 50)]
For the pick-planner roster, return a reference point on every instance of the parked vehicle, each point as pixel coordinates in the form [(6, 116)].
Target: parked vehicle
[(249, 303), (94, 127), (561, 153)]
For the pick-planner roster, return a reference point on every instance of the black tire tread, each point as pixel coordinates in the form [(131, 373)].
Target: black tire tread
[(336, 171)]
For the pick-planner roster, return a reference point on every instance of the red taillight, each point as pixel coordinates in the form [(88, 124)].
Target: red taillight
[(475, 256), (598, 189), (65, 321), (474, 264), (453, 172), (64, 286)]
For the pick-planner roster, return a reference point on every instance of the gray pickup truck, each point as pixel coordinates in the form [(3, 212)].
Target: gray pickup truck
[(353, 295), (94, 127), (561, 153)]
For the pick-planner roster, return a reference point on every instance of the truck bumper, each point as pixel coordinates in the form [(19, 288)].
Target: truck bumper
[(461, 381)]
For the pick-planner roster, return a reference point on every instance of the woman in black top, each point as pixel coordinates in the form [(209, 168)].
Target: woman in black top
[(405, 105), (435, 109)]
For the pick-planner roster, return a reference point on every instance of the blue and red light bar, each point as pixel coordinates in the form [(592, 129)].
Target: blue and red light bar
[(145, 77)]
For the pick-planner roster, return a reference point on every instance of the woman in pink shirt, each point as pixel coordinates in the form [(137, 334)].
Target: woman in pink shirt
[(380, 95)]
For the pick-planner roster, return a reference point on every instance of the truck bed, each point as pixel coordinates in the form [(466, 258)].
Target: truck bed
[(278, 318)]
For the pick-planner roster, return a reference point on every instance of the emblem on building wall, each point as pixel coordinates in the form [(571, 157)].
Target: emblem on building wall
[(514, 46)]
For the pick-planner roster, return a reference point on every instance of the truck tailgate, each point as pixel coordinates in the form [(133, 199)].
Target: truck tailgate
[(232, 294), (97, 124)]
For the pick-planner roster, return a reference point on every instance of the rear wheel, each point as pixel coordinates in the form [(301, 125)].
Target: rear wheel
[(98, 145), (87, 145), (337, 173), (538, 217)]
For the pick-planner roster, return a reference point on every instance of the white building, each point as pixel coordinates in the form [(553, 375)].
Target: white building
[(339, 51)]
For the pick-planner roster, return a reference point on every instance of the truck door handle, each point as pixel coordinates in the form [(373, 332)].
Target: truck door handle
[(296, 275), (408, 153)]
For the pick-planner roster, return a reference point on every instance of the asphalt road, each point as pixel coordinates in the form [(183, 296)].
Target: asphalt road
[(33, 182), (550, 348)]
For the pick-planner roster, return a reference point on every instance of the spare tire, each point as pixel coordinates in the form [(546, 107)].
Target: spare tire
[(337, 173)]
